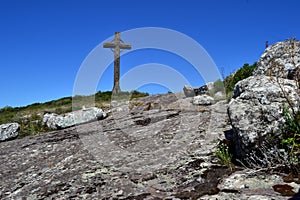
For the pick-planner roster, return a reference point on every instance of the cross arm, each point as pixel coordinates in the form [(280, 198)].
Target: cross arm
[(125, 46), (113, 45), (109, 45)]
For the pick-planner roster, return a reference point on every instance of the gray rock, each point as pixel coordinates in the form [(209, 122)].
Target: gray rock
[(54, 121), (9, 131), (250, 179), (188, 91), (250, 184), (117, 158), (219, 96), (203, 100), (256, 110), (280, 60)]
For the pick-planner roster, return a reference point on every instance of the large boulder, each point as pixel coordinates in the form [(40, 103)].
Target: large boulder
[(9, 131), (280, 60), (188, 91), (54, 121), (256, 110), (203, 100)]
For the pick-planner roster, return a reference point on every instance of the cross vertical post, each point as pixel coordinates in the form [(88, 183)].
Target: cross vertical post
[(116, 45), (117, 88)]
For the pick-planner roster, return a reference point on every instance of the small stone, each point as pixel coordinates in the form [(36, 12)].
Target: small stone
[(120, 193)]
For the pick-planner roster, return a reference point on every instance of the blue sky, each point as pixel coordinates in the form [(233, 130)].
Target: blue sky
[(43, 43)]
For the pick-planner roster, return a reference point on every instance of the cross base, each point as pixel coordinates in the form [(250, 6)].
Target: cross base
[(116, 89)]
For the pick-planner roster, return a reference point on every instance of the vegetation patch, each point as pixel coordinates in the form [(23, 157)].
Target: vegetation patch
[(291, 135), (239, 75), (223, 154), (30, 117)]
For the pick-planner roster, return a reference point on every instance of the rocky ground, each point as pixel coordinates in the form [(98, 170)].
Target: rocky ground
[(158, 147)]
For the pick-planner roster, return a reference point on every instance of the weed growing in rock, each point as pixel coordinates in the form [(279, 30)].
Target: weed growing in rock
[(291, 136), (223, 154)]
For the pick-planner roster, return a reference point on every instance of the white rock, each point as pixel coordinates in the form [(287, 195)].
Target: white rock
[(9, 131), (203, 100), (54, 121)]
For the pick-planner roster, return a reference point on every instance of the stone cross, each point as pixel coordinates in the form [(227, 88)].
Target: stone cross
[(116, 45)]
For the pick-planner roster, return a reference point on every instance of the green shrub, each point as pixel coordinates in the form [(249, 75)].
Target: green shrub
[(31, 128), (31, 125), (128, 95), (218, 86), (136, 94), (239, 75), (103, 96)]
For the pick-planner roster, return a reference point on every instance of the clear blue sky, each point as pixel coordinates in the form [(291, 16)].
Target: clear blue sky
[(44, 42)]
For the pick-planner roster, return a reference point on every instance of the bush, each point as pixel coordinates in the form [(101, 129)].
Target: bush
[(239, 75), (31, 128), (103, 96), (136, 94), (31, 125), (218, 86)]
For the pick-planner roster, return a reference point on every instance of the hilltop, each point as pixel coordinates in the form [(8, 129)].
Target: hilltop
[(237, 140)]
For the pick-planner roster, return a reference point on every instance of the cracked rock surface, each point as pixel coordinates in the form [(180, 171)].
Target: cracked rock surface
[(158, 147)]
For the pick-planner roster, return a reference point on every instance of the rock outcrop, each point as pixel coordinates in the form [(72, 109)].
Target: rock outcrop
[(203, 100), (280, 60), (9, 131), (160, 148), (256, 110), (54, 121)]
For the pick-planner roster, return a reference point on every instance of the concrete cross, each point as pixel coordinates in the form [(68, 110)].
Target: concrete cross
[(116, 45)]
